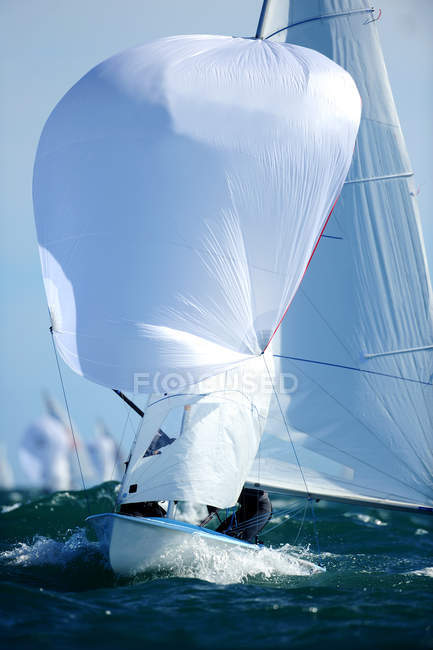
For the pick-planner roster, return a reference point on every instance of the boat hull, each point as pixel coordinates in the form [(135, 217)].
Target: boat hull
[(137, 544)]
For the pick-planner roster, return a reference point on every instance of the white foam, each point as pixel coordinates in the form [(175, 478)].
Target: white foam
[(46, 551), (195, 559), (192, 513), (5, 509), (427, 571), (366, 519)]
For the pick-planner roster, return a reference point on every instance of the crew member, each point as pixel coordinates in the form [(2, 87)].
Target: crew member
[(253, 515)]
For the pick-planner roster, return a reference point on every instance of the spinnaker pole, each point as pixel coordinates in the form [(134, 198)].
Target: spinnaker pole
[(130, 403)]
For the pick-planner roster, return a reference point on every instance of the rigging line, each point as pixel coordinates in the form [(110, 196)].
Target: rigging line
[(70, 419), (367, 372), (365, 426), (327, 16), (302, 523), (313, 515), (288, 515), (255, 520), (287, 427)]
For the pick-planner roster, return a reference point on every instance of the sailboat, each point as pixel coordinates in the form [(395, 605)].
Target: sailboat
[(6, 472), (48, 452), (44, 453), (181, 190), (81, 464), (105, 455)]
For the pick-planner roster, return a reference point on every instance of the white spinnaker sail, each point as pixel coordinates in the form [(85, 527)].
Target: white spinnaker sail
[(179, 190), (357, 342), (211, 437)]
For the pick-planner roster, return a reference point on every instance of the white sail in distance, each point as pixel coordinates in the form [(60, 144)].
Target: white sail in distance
[(105, 454), (357, 343), (6, 472), (82, 470), (44, 454)]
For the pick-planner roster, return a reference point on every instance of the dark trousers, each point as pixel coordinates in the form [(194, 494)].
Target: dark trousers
[(253, 515)]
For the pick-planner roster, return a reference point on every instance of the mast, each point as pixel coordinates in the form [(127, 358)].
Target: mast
[(262, 19)]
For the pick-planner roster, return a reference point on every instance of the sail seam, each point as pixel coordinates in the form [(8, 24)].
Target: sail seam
[(325, 16)]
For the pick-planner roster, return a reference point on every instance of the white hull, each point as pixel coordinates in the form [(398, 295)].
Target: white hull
[(135, 544)]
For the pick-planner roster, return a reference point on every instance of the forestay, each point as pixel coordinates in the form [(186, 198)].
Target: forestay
[(356, 345), (179, 191)]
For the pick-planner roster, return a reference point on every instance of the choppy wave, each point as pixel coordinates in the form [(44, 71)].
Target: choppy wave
[(46, 551), (367, 520)]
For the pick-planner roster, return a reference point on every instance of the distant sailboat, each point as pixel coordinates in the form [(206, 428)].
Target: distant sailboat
[(44, 452), (6, 472), (48, 456), (105, 455), (85, 469)]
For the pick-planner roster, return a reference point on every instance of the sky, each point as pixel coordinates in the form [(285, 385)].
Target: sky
[(45, 47)]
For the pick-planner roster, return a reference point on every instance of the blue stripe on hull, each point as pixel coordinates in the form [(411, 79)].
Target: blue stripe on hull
[(172, 524)]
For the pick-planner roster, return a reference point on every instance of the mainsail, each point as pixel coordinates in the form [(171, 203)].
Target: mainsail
[(356, 346), (180, 190)]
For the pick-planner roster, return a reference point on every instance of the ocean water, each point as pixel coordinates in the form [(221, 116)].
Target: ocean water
[(57, 590)]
